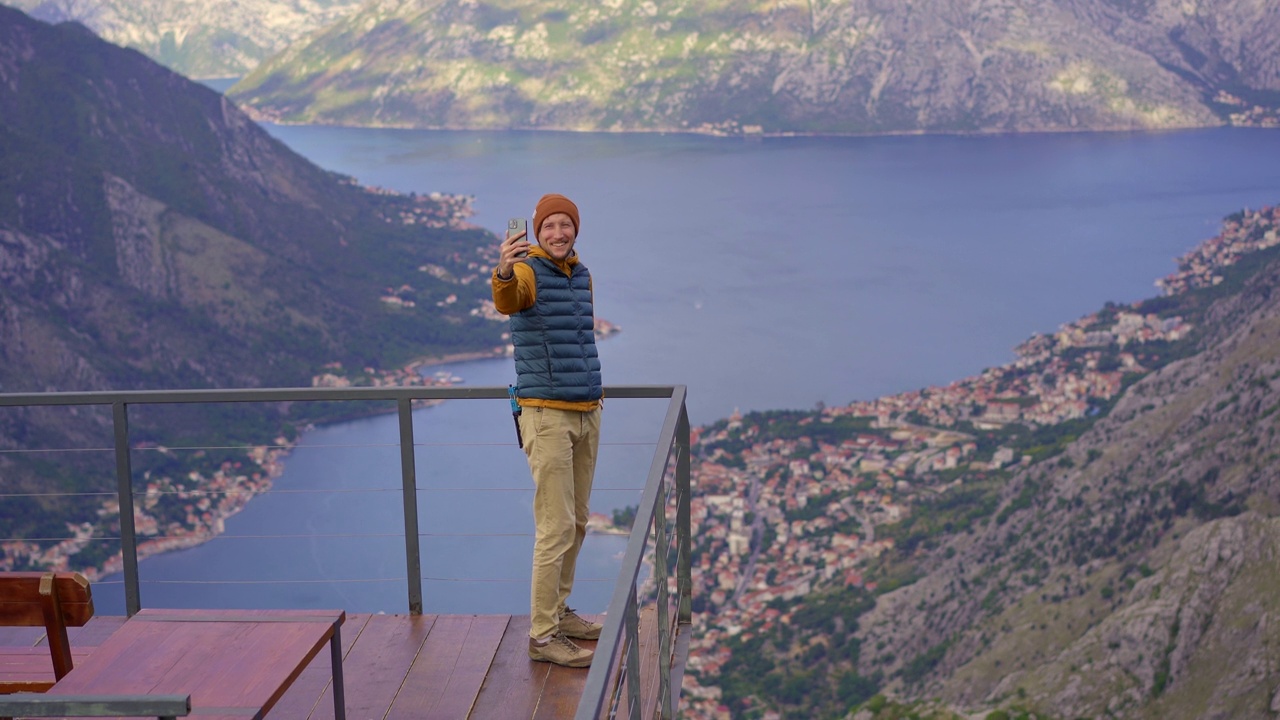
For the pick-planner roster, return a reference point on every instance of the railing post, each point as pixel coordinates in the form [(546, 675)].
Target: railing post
[(124, 491), (661, 552), (632, 626), (684, 525), (409, 481)]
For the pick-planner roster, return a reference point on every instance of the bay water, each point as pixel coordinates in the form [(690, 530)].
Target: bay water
[(763, 274)]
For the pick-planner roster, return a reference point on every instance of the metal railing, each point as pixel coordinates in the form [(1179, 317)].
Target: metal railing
[(618, 660)]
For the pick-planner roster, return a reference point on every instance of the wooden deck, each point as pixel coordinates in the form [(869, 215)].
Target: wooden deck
[(421, 667)]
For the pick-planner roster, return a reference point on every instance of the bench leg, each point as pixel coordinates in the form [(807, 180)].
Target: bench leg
[(339, 694)]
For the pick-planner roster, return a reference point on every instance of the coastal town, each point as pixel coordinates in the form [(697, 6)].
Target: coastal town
[(778, 519), (169, 513), (432, 210)]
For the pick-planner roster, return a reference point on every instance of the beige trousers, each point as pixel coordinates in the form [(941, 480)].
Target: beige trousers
[(561, 446)]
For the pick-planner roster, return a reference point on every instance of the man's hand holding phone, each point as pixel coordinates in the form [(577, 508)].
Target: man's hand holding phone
[(515, 248)]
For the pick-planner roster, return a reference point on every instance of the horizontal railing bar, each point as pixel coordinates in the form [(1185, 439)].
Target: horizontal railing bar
[(320, 581), (300, 446), (286, 536), (23, 451), (159, 397), (334, 491), (52, 494), (342, 580)]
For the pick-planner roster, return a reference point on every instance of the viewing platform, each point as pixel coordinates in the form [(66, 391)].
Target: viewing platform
[(419, 664), (426, 667)]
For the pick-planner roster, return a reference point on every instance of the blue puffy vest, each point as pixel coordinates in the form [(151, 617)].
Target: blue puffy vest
[(555, 340)]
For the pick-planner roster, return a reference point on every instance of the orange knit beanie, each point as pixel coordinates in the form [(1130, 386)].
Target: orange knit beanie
[(551, 204)]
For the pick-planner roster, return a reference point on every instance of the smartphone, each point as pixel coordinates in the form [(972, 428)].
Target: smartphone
[(515, 226)]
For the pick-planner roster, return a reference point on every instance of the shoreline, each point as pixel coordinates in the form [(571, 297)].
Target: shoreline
[(232, 492), (244, 489), (739, 133), (437, 360)]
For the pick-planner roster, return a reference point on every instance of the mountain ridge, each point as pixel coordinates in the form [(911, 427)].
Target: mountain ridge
[(851, 67), (205, 39)]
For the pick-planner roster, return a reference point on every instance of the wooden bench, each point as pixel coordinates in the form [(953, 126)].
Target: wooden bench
[(32, 599)]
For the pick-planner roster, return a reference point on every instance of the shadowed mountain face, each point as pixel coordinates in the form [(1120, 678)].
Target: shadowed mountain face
[(152, 236), (813, 66)]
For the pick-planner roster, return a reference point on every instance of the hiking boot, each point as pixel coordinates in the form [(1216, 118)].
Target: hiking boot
[(572, 625), (560, 650)]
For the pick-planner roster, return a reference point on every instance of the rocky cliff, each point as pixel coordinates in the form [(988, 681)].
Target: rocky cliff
[(823, 66), (200, 39), (1132, 576)]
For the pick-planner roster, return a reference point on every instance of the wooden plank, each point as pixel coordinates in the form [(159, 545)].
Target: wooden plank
[(20, 598), (128, 654), (615, 679), (651, 662), (94, 632), (89, 636), (377, 664), (233, 615), (25, 663), (30, 669), (429, 671), (563, 691), (24, 636), (240, 664), (564, 685), (649, 651), (72, 586), (450, 669), (515, 683), (276, 657), (313, 685)]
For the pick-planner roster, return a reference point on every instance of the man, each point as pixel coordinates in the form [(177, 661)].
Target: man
[(548, 295)]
